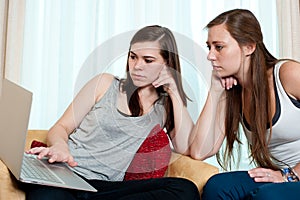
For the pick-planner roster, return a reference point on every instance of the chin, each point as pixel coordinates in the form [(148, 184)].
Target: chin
[(139, 84)]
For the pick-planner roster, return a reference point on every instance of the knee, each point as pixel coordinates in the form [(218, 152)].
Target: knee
[(228, 185), (212, 187), (187, 189)]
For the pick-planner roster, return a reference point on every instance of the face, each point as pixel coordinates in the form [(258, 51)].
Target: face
[(224, 51), (145, 63)]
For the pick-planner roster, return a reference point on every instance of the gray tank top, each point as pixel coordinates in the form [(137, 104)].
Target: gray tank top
[(106, 141), (285, 140)]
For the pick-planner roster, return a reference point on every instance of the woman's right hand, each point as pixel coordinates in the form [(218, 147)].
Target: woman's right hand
[(219, 84), (228, 82), (58, 152)]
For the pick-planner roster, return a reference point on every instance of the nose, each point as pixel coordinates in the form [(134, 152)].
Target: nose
[(211, 56), (138, 64)]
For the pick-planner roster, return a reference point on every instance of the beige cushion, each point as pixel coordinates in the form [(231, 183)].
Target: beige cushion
[(195, 170), (180, 166)]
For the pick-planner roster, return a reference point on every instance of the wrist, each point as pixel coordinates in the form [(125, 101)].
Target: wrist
[(289, 175)]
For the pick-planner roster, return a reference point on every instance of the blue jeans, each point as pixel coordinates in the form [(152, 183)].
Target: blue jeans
[(158, 188), (239, 185)]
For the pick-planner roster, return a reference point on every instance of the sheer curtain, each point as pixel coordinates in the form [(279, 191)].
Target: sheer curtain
[(67, 42), (61, 35), (289, 28), (3, 35), (11, 39)]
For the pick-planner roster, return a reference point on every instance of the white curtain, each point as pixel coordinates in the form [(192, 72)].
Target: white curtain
[(11, 39), (67, 42), (3, 23), (289, 28), (62, 38)]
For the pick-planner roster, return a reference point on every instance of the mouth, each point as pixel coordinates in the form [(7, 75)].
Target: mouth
[(137, 76), (217, 68)]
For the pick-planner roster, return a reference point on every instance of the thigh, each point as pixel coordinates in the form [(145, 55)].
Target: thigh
[(276, 191), (39, 192), (229, 185), (158, 188)]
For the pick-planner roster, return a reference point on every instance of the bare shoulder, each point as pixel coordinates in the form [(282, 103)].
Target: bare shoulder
[(289, 70), (102, 83), (289, 76)]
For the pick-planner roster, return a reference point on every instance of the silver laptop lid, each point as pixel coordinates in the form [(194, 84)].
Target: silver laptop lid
[(15, 104)]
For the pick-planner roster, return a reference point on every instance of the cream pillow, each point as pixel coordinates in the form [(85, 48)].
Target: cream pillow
[(194, 170)]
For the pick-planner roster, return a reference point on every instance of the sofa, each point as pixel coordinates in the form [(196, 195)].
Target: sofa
[(180, 166)]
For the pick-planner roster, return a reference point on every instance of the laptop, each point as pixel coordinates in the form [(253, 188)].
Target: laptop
[(15, 105)]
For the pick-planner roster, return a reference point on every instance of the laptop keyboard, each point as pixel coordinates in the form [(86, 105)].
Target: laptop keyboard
[(35, 169)]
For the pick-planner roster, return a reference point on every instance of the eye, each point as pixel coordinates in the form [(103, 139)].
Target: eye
[(132, 56), (148, 61), (219, 47), (208, 46)]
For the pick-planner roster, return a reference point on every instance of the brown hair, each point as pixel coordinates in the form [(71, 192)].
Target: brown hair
[(169, 52), (245, 29)]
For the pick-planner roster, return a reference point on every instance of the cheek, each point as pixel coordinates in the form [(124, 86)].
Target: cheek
[(153, 73), (130, 64), (232, 60), (154, 70)]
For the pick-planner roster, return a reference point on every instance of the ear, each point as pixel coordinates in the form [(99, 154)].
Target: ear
[(249, 49)]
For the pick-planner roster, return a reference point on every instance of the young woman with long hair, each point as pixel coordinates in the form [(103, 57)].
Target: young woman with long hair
[(259, 92), (110, 118)]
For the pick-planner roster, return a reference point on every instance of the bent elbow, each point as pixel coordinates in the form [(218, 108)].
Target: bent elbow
[(199, 154)]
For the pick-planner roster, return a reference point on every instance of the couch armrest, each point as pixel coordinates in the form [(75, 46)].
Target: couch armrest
[(194, 170)]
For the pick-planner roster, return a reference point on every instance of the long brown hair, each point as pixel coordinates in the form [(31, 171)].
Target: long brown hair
[(245, 29), (169, 52)]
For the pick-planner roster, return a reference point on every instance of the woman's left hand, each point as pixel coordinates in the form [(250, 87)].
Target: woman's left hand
[(166, 79), (266, 175)]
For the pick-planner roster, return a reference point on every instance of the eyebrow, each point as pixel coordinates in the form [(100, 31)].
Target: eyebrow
[(215, 42), (147, 56)]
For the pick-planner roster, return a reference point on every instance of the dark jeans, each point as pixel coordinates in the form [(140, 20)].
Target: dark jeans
[(160, 188), (239, 185)]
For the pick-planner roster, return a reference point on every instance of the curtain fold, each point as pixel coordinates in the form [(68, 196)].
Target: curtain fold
[(289, 28), (11, 38), (3, 36), (14, 43)]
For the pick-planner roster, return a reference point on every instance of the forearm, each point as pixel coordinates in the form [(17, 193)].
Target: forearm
[(57, 135), (183, 125), (208, 133)]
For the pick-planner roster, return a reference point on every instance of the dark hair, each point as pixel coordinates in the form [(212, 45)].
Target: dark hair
[(245, 29), (169, 52)]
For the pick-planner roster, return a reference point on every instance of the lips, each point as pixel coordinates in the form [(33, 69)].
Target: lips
[(137, 76), (215, 67)]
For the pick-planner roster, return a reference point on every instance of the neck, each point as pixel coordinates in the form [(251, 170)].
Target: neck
[(147, 92), (147, 96), (243, 74)]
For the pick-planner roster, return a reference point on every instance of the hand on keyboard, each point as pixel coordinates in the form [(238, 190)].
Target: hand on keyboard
[(56, 153)]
